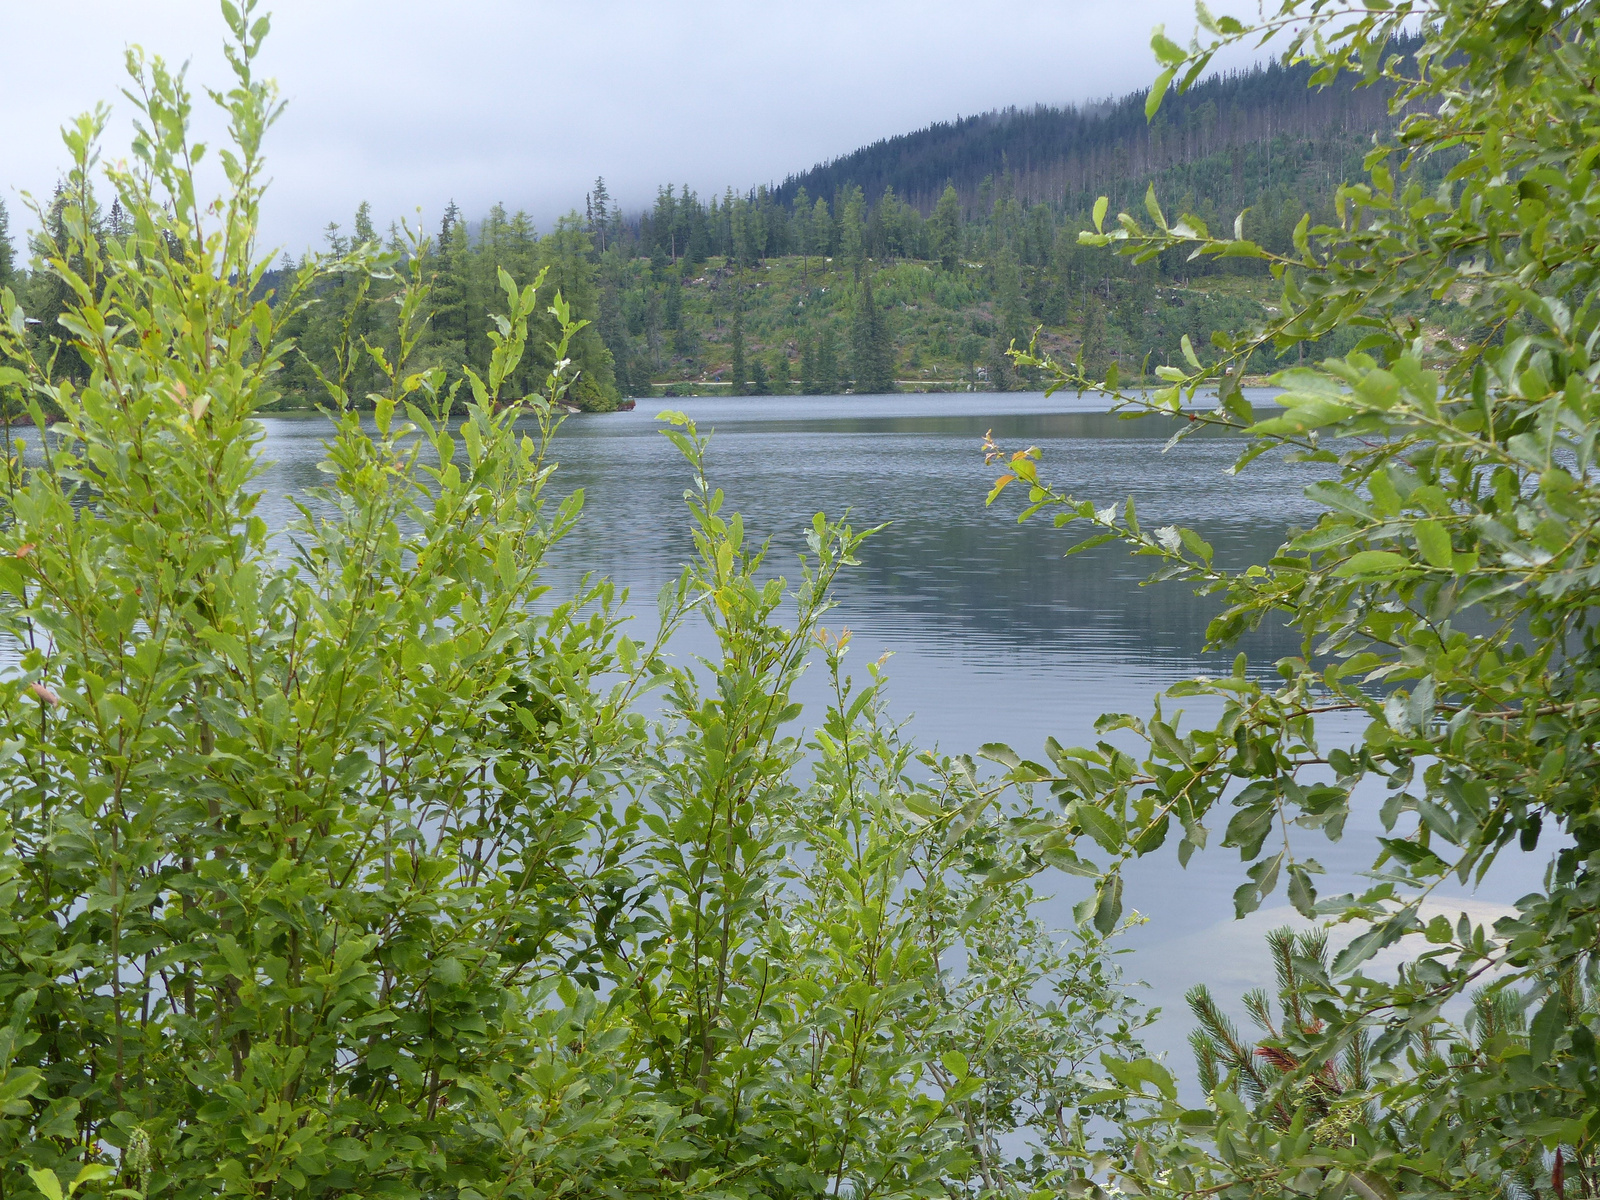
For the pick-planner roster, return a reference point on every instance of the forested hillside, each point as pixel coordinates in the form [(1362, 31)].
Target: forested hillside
[(912, 263), (1068, 156)]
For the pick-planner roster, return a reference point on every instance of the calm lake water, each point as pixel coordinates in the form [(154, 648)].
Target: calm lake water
[(995, 635)]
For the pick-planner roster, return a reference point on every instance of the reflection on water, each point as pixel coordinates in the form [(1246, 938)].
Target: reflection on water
[(996, 635), (988, 620)]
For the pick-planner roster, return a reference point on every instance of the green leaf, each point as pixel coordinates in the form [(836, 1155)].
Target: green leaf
[(90, 1173), (1100, 213), (1373, 940), (1433, 539), (1166, 50), (1108, 904), (1152, 207), (1340, 498), (1134, 1073), (1301, 892), (1546, 1026), (1098, 825), (1301, 242), (1001, 753), (1368, 563), (1158, 89), (1065, 860)]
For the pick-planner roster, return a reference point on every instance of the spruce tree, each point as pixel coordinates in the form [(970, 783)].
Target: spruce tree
[(827, 364), (808, 368), (852, 233), (8, 279), (357, 310), (999, 365), (736, 369), (643, 385), (944, 228), (599, 212), (1013, 307), (968, 348), (822, 227), (871, 348), (804, 233), (117, 223), (568, 253), (8, 261), (49, 295), (449, 290), (1092, 337), (615, 336), (364, 231), (782, 374)]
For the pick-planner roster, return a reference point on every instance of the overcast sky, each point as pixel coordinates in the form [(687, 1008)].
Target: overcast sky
[(409, 104)]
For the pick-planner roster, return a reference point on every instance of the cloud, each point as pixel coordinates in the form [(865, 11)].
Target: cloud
[(407, 104)]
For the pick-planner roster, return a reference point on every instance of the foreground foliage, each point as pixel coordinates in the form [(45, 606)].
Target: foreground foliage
[(346, 861), (1446, 605)]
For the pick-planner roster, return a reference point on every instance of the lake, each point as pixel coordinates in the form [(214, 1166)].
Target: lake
[(996, 636)]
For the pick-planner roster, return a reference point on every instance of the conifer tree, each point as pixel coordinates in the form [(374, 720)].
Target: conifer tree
[(614, 334), (806, 236), (663, 222), (1013, 308), (1092, 337), (782, 375), (449, 290), (968, 348), (48, 294), (871, 348), (808, 368), (944, 228), (697, 246), (117, 224), (599, 212), (852, 234), (672, 302), (736, 369), (827, 363), (822, 227), (749, 234), (999, 365), (8, 265), (336, 242), (685, 333), (354, 307), (362, 227), (567, 252), (8, 279)]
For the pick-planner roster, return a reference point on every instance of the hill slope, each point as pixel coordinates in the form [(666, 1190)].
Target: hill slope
[(767, 290), (1057, 155)]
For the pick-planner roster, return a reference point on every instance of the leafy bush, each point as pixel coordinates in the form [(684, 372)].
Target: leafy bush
[(345, 861), (1445, 600)]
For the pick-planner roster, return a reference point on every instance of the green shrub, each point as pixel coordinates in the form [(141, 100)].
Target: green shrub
[(1445, 600), (345, 861)]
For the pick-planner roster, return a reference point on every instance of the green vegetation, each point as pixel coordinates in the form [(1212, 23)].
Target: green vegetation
[(961, 271), (351, 865), (1446, 605)]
